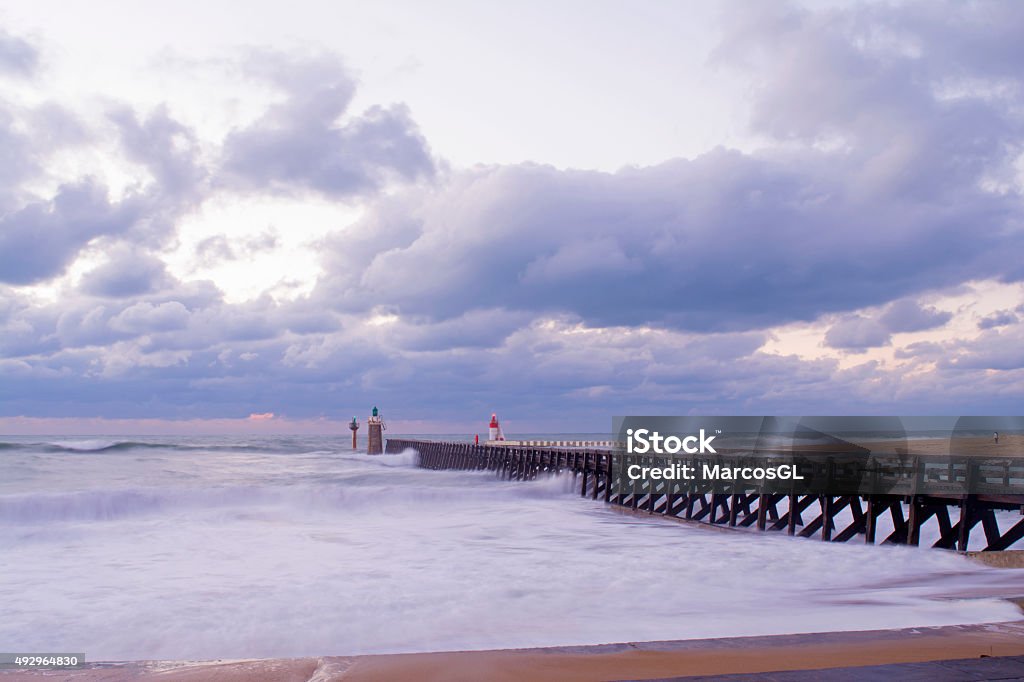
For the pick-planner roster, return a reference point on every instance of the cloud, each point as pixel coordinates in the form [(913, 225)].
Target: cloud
[(146, 317), (38, 241), (921, 350), (29, 136), (128, 272), (312, 142), (18, 57), (876, 185), (884, 173), (894, 86), (726, 241), (17, 160), (857, 333), (40, 234), (909, 316), (214, 249), (996, 349), (217, 248), (1000, 318), (166, 147)]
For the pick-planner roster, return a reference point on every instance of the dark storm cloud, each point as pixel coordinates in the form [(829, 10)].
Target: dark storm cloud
[(725, 241), (18, 57), (879, 191), (312, 141)]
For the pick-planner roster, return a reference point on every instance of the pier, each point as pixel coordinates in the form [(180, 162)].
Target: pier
[(831, 518)]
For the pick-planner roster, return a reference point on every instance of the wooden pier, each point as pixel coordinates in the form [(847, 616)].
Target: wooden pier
[(596, 475)]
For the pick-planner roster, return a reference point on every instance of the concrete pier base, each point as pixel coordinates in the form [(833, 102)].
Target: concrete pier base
[(375, 436)]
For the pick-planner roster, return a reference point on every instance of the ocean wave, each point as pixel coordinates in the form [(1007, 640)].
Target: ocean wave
[(360, 494), (101, 446), (406, 458), (96, 445), (110, 505)]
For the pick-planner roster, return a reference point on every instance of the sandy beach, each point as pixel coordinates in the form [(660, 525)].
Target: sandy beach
[(633, 660)]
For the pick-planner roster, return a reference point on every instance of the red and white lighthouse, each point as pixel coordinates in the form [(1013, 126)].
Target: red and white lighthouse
[(494, 429)]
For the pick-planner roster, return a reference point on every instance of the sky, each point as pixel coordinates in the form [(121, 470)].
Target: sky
[(216, 219)]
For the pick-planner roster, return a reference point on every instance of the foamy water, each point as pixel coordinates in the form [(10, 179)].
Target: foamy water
[(221, 548)]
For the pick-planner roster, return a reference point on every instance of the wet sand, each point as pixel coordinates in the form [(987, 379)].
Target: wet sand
[(1008, 558), (638, 660)]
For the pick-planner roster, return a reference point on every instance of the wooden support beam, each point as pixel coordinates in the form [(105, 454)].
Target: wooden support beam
[(705, 507), (990, 525), (670, 498), (583, 488), (732, 506), (828, 513), (1008, 538), (763, 502), (915, 520), (824, 521), (899, 533), (792, 517), (751, 516), (942, 515), (966, 522), (609, 473), (858, 524), (871, 519), (680, 504)]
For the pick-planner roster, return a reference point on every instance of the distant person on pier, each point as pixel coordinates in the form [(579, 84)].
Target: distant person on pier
[(995, 438)]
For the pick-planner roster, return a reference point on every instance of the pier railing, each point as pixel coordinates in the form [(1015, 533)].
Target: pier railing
[(598, 475)]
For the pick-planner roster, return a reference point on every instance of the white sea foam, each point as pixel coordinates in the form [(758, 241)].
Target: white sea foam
[(90, 445), (300, 548)]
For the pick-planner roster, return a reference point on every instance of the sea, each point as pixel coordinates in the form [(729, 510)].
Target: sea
[(252, 547)]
